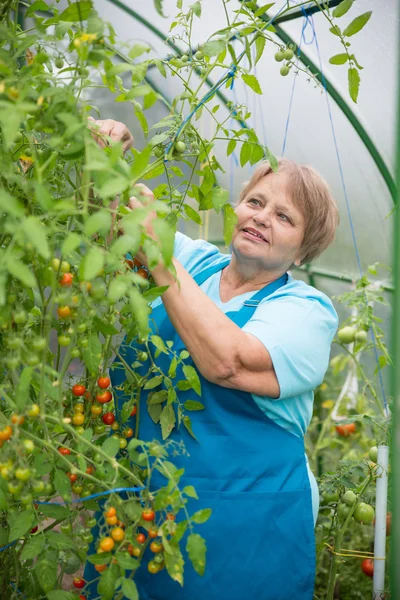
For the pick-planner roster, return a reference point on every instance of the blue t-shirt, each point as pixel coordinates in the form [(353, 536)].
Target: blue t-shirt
[(296, 324)]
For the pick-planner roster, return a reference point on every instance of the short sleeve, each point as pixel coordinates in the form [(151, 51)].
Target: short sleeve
[(297, 332), (194, 255)]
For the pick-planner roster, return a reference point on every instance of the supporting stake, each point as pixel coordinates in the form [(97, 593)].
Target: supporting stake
[(380, 522)]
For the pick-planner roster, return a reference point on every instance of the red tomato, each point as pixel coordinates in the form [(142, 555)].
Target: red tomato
[(141, 538), (134, 411), (104, 397), (34, 529), (78, 390), (148, 514), (171, 517), (103, 382), (156, 547), (346, 430), (72, 477), (152, 533), (82, 597), (388, 523), (64, 451), (64, 312), (367, 566), (89, 470), (108, 418), (79, 583), (66, 280)]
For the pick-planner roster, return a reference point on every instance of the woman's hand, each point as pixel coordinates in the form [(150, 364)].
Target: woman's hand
[(146, 199), (115, 130)]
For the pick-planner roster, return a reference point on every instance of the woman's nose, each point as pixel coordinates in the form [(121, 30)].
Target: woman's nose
[(263, 218)]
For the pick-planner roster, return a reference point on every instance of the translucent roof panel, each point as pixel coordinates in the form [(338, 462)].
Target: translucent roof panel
[(311, 129)]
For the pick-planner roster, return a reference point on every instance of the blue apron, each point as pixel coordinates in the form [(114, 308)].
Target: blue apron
[(252, 474)]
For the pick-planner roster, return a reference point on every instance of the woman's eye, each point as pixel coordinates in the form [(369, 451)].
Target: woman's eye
[(254, 201), (283, 217)]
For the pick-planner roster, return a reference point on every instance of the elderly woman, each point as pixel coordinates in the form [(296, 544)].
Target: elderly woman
[(260, 342)]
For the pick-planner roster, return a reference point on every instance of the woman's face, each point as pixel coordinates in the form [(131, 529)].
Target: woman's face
[(270, 229)]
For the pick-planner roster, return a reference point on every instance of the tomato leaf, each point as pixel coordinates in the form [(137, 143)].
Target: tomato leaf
[(342, 8), (339, 59), (111, 446), (77, 11), (92, 264), (46, 571), (196, 549), (59, 541), (214, 47), (201, 516), (192, 214), (192, 377), (35, 232), (167, 421), (22, 389), (193, 405), (138, 50), (99, 222), (92, 354), (190, 491), (71, 243), (188, 424), (106, 585), (174, 563), (63, 485), (230, 220), (54, 511), (60, 595), (153, 382), (33, 547), (245, 153), (252, 82), (260, 11), (21, 525), (219, 198), (129, 589), (20, 271), (260, 45), (354, 83), (357, 24), (231, 147)]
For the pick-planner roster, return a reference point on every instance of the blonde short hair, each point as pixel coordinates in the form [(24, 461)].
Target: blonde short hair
[(310, 193)]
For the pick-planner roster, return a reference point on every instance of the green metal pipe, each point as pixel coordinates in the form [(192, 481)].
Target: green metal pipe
[(395, 388), (297, 14)]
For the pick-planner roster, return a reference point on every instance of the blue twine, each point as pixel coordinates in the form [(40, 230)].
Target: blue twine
[(315, 38), (98, 495), (91, 497), (292, 94)]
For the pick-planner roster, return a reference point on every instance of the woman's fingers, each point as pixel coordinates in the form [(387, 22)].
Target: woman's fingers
[(108, 128), (145, 194)]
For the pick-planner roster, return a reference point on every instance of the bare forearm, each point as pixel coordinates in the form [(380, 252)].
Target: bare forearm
[(209, 336)]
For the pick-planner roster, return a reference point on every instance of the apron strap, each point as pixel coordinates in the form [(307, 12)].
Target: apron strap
[(245, 313)]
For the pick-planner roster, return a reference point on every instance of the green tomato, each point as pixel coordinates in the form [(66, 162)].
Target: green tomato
[(347, 334), (361, 336), (75, 353), (122, 443), (373, 454), (77, 488), (29, 446), (91, 523), (66, 528), (59, 63), (199, 55), (158, 152), (288, 54), (48, 489), (22, 474), (14, 487), (64, 340), (55, 264), (99, 429), (83, 342), (20, 317), (328, 497), (180, 147), (12, 362), (82, 327), (349, 498), (279, 56), (364, 513), (85, 494), (343, 511), (284, 70), (14, 343), (32, 360), (65, 267), (184, 58), (86, 535), (39, 344), (26, 499), (38, 487), (142, 356)]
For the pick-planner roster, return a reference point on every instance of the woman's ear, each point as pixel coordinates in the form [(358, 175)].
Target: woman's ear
[(298, 262)]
